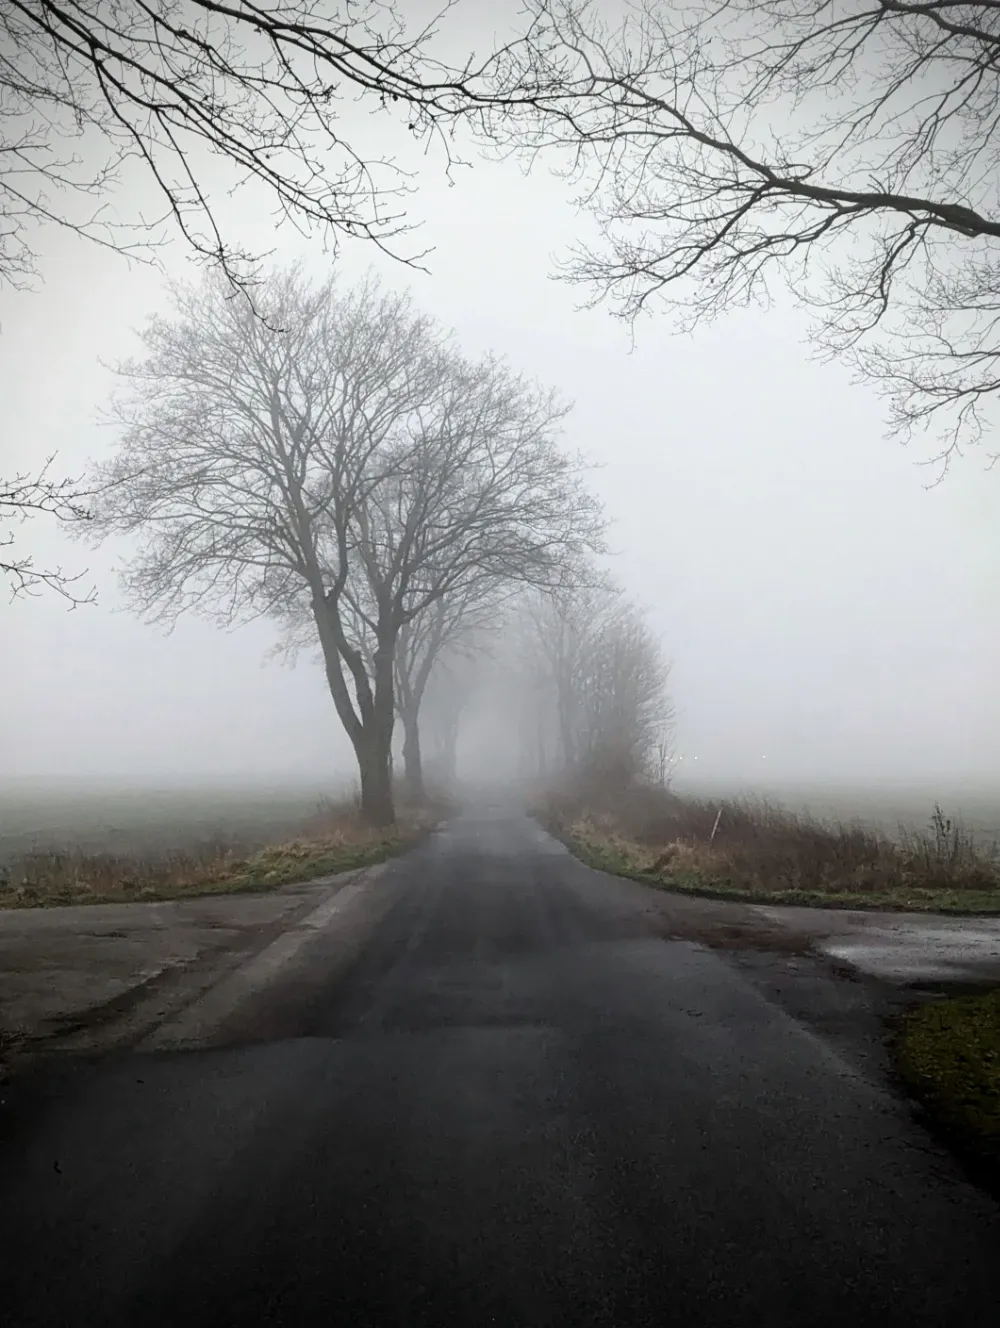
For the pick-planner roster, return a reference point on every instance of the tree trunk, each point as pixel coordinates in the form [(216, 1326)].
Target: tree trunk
[(449, 754), (413, 772), (374, 750), (377, 808)]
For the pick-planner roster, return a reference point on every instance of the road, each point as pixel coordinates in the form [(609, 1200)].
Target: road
[(520, 1106)]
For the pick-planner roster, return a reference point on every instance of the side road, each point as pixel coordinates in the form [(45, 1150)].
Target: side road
[(902, 949), (912, 949), (100, 975)]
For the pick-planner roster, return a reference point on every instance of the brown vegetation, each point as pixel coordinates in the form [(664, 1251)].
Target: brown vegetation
[(334, 838), (753, 849)]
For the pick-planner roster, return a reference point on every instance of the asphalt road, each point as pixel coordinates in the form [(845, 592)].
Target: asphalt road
[(519, 1107)]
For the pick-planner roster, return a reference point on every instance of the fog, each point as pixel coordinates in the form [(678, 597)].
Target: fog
[(828, 615)]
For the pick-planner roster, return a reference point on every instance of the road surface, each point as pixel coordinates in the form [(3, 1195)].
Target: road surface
[(521, 1106)]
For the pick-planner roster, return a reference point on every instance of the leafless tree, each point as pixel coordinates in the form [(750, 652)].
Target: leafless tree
[(91, 89), (94, 91), (454, 631), (23, 496), (431, 651), (337, 453), (851, 145), (594, 682), (451, 687)]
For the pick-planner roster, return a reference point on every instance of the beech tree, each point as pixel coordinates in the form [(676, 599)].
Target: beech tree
[(849, 146), (336, 454)]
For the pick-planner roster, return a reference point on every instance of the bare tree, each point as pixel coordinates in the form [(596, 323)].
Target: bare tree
[(851, 145), (624, 710), (26, 495), (431, 649), (451, 686), (594, 685), (454, 629), (478, 498), (246, 453), (337, 453), (93, 90), (90, 89)]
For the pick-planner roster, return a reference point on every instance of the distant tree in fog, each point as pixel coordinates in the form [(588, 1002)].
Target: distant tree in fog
[(431, 653), (334, 454), (440, 645), (594, 684), (450, 688)]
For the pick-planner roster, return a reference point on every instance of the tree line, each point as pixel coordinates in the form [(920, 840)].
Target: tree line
[(330, 460)]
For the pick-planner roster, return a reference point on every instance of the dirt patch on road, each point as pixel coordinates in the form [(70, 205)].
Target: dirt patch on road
[(720, 925)]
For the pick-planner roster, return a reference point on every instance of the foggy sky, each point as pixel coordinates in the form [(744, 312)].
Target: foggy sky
[(823, 609)]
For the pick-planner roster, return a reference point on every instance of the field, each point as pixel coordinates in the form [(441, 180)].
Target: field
[(67, 845), (103, 817), (884, 805), (110, 818)]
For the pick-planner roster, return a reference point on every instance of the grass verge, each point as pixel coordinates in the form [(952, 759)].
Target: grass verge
[(757, 852), (333, 840), (947, 1053)]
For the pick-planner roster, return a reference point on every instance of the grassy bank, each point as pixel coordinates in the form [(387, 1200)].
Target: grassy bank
[(948, 1055), (758, 852), (332, 840)]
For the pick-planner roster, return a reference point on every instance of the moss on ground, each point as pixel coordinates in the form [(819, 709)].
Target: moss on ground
[(948, 1055)]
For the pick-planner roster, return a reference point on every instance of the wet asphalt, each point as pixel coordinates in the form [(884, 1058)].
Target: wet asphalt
[(518, 1105)]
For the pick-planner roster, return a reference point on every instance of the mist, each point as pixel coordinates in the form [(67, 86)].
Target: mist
[(829, 613), (500, 792)]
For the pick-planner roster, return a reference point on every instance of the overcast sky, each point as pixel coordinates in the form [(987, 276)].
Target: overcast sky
[(824, 610)]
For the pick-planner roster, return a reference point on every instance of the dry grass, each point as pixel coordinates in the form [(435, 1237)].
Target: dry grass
[(756, 850), (332, 839)]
